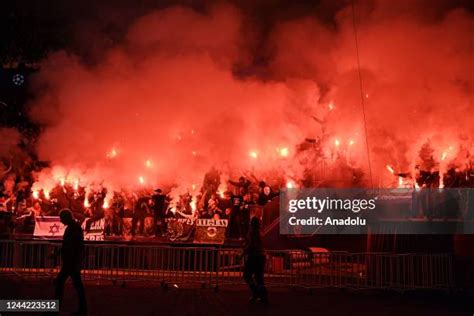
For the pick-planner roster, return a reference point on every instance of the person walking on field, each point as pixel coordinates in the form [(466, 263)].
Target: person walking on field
[(254, 263), (72, 253)]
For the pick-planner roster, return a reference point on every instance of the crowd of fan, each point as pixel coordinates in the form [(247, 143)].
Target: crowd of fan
[(235, 205), (21, 205)]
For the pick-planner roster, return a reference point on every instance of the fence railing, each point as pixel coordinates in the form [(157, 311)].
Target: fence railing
[(348, 270), (217, 267)]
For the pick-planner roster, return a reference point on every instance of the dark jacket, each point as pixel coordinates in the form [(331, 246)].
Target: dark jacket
[(253, 244), (159, 205), (264, 198), (72, 250), (141, 208)]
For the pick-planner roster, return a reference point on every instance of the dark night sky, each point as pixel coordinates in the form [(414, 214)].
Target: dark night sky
[(31, 28)]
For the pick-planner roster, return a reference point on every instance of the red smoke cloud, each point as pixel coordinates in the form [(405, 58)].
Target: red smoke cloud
[(416, 67), (164, 105)]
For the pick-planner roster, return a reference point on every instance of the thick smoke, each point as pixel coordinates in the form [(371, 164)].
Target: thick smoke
[(12, 157), (166, 104), (416, 70)]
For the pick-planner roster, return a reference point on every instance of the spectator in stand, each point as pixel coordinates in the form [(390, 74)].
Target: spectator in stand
[(226, 215), (184, 204), (36, 209), (234, 227), (77, 207), (159, 212), (9, 184), (96, 211), (45, 203), (119, 214), (266, 195), (4, 200), (20, 207), (109, 214), (22, 189), (245, 208), (140, 211), (22, 185), (212, 180), (226, 201), (213, 206), (213, 201), (129, 202), (25, 221), (241, 184)]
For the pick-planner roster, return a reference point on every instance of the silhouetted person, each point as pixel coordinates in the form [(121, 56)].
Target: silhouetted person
[(139, 215), (246, 205), (254, 263), (72, 252), (159, 210)]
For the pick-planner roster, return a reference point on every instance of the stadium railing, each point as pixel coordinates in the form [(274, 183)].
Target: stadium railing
[(220, 267)]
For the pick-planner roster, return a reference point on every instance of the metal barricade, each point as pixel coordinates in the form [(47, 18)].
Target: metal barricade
[(216, 267), (7, 256), (28, 259), (314, 270), (167, 265), (410, 271), (359, 270), (230, 265)]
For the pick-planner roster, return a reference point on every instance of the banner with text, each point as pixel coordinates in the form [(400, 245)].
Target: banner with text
[(93, 230), (210, 231)]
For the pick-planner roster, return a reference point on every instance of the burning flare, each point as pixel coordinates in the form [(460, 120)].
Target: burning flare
[(400, 182), (390, 169), (112, 153), (283, 151)]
